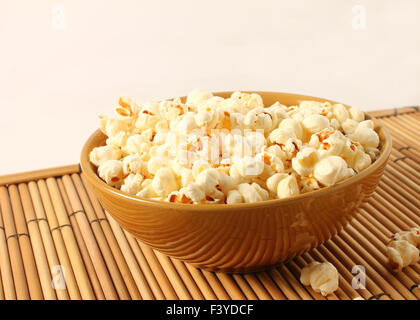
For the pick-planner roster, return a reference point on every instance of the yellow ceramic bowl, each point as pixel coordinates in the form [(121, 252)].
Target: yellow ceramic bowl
[(240, 237)]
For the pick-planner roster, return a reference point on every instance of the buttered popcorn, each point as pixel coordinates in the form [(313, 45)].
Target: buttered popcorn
[(208, 149)]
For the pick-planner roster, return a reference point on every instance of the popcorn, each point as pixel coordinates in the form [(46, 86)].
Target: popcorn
[(134, 164), (170, 110), (412, 236), (308, 184), (102, 154), (333, 144), (156, 163), (252, 192), (273, 181), (198, 166), (112, 127), (404, 248), (137, 144), (186, 124), (193, 192), (273, 161), (357, 114), (258, 118), (117, 141), (283, 185), (209, 181), (363, 160), (234, 196), (132, 183), (195, 97), (340, 112), (250, 167), (236, 150), (305, 161), (367, 137), (281, 135), (287, 187), (146, 120), (322, 277), (250, 101), (401, 254), (349, 126), (315, 123), (164, 182), (111, 172), (294, 125), (331, 170)]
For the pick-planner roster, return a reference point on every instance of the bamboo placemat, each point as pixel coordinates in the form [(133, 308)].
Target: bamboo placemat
[(51, 218)]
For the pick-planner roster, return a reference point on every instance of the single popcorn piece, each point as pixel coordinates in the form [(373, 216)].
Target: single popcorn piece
[(315, 123), (404, 248), (294, 125), (209, 181), (208, 149), (366, 136), (111, 172), (340, 112), (137, 144), (234, 196), (250, 101), (283, 185), (164, 182), (412, 236), (308, 184), (401, 254), (193, 192), (196, 97), (287, 187), (146, 189), (259, 118), (252, 192), (322, 277), (281, 135), (250, 167), (134, 164), (102, 154), (331, 170), (132, 183), (305, 161), (357, 114)]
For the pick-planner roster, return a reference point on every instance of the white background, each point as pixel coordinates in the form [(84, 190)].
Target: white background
[(57, 74)]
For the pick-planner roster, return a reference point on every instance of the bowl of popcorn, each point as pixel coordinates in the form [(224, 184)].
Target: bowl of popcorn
[(235, 181)]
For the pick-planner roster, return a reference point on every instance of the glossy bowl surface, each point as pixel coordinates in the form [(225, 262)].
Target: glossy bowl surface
[(240, 237)]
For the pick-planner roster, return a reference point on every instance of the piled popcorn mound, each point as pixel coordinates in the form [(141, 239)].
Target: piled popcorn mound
[(235, 150)]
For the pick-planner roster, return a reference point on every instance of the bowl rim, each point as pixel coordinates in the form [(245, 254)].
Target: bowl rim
[(94, 179)]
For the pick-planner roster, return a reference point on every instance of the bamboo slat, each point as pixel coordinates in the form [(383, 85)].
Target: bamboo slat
[(39, 255), (64, 227), (52, 218), (16, 260), (5, 267), (90, 269), (110, 238), (103, 261), (39, 192)]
